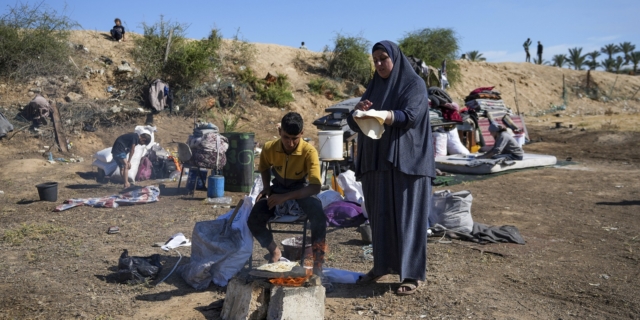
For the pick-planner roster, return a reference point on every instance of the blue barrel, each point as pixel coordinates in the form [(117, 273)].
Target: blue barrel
[(215, 187), (238, 171)]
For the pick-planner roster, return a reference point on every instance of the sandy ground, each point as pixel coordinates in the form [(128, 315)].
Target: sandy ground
[(580, 222)]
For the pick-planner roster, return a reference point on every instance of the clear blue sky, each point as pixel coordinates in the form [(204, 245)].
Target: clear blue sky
[(496, 28)]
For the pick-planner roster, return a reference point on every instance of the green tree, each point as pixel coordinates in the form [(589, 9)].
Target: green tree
[(618, 63), (33, 42), (475, 56), (626, 48), (634, 58), (559, 60), (593, 64), (350, 59), (610, 50), (608, 64), (576, 58), (434, 46), (541, 62), (187, 62)]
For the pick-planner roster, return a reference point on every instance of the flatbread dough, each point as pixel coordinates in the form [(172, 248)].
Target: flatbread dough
[(280, 266), (372, 127)]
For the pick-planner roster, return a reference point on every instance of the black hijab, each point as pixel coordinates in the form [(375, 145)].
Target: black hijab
[(408, 146)]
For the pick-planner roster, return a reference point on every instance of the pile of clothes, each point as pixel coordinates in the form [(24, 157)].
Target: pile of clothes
[(208, 147), (443, 109)]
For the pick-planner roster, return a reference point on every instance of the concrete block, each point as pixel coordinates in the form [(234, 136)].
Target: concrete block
[(245, 300), (296, 303)]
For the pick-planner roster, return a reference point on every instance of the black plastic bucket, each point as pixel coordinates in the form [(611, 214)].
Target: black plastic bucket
[(48, 191), (238, 171)]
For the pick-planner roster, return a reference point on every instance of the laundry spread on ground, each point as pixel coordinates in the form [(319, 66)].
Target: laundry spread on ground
[(142, 195)]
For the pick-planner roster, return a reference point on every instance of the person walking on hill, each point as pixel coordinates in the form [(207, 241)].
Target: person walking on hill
[(526, 49), (539, 52)]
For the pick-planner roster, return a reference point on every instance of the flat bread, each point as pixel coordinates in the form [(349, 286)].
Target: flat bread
[(372, 127), (280, 266)]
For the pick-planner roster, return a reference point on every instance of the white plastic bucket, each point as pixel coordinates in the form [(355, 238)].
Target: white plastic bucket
[(330, 144)]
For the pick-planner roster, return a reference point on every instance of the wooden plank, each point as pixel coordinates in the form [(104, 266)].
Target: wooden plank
[(57, 128)]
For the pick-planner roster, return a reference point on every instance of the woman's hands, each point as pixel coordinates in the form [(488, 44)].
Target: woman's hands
[(363, 105)]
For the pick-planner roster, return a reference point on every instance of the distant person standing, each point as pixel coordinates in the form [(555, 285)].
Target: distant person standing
[(302, 46), (117, 33), (526, 46), (539, 52)]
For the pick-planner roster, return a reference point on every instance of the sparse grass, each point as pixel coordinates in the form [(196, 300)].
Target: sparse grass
[(324, 87), (609, 112), (610, 125), (30, 231)]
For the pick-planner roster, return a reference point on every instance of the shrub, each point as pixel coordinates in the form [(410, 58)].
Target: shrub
[(350, 59), (433, 46), (33, 41), (275, 94), (187, 62), (324, 87)]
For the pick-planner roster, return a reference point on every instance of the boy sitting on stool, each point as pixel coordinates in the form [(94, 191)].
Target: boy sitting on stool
[(126, 143), (296, 167)]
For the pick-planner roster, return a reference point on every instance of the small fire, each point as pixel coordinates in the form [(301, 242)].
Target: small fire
[(289, 281)]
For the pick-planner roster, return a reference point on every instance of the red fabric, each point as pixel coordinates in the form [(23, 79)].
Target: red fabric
[(451, 115), (478, 90)]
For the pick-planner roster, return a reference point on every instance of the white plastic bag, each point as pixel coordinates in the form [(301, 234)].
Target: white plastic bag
[(328, 197), (218, 250), (440, 143), (104, 155), (454, 145), (139, 152), (452, 210), (107, 167), (352, 189)]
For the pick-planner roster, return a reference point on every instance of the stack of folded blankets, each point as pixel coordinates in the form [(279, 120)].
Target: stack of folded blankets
[(485, 99), (208, 147)]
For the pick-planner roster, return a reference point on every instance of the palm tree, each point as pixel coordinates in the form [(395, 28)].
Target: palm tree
[(634, 58), (559, 60), (608, 64), (618, 63), (592, 64), (541, 62), (593, 55), (576, 59), (626, 48), (610, 50), (475, 56)]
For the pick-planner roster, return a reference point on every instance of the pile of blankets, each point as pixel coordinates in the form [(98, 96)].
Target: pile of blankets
[(440, 102), (486, 100), (208, 147)]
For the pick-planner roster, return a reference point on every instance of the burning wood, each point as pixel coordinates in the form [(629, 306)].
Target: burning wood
[(289, 281)]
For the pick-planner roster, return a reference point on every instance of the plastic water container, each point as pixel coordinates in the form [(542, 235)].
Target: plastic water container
[(330, 144), (215, 187)]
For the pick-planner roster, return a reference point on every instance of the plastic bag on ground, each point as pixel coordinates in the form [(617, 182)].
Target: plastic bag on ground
[(440, 143), (454, 145), (328, 197), (218, 254), (134, 270), (452, 210), (139, 152), (352, 189), (341, 276)]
